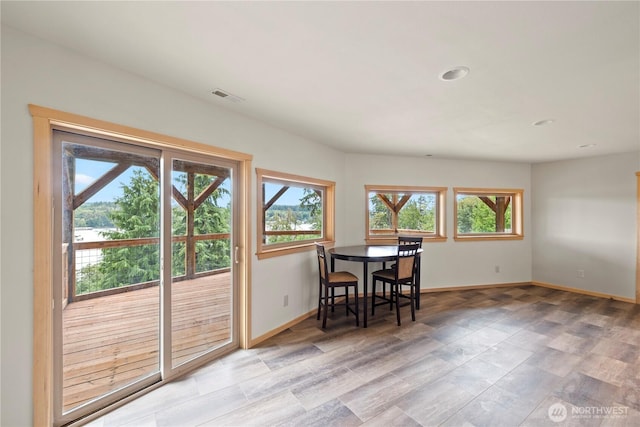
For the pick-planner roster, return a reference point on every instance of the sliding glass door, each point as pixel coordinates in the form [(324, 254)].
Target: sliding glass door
[(144, 282)]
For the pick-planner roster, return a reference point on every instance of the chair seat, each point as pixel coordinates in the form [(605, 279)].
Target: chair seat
[(342, 277), (387, 274)]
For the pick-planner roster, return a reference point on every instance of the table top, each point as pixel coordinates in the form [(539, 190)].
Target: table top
[(369, 253)]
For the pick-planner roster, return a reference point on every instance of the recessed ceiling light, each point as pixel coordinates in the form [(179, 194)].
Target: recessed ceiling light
[(586, 146), (543, 122), (454, 74)]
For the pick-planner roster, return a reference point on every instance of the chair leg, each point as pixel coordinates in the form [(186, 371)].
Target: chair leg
[(418, 287), (346, 300), (357, 310), (333, 299), (413, 302), (397, 289), (319, 301), (326, 308)]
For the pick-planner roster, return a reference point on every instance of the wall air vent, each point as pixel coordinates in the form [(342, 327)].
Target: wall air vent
[(226, 95)]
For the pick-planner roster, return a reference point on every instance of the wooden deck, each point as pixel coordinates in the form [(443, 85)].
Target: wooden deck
[(109, 342)]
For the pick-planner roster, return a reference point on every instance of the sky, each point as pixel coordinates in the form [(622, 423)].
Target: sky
[(88, 171), (290, 197)]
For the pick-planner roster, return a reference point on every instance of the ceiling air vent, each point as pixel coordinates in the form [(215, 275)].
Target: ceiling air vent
[(226, 95)]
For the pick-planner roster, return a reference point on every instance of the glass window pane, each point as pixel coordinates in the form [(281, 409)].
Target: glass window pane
[(294, 213), (418, 214), (380, 216), (202, 281), (479, 213), (110, 249)]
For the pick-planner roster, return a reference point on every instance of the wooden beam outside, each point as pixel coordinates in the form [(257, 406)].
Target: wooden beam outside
[(199, 168), (402, 202), (103, 155), (99, 184), (500, 210), (386, 201), (208, 191), (275, 198), (499, 207)]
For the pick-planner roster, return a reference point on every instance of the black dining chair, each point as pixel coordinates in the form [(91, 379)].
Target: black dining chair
[(404, 274), (328, 282), (402, 240), (410, 240)]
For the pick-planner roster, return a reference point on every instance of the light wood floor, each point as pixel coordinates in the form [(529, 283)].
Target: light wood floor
[(110, 341), (493, 357)]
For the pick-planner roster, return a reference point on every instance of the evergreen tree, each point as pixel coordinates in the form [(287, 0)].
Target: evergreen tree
[(137, 215), (209, 218), (474, 216), (379, 213), (418, 214)]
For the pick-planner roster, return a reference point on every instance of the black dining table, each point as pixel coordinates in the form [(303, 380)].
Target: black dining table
[(366, 254)]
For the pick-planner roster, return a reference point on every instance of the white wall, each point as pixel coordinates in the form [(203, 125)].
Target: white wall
[(36, 72), (447, 263), (584, 218)]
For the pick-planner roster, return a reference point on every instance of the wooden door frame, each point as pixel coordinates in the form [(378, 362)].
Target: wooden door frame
[(44, 121)]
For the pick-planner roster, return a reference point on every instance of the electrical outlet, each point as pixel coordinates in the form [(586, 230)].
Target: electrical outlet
[(497, 269), (286, 301), (580, 274)]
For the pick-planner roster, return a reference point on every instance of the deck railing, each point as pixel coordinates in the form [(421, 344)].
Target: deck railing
[(78, 248)]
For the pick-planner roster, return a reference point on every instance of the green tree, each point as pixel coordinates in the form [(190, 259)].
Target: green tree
[(282, 220), (311, 201), (474, 216), (95, 215), (418, 214), (209, 218), (292, 217), (137, 216), (379, 213)]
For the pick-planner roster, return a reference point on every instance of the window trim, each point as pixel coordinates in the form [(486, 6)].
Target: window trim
[(440, 234), (517, 221), (328, 222)]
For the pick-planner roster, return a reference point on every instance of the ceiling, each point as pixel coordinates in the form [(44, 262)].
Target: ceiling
[(364, 76)]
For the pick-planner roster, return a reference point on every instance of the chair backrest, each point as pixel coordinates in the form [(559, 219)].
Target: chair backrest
[(406, 260), (323, 270), (410, 240)]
